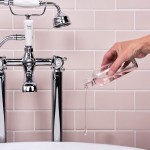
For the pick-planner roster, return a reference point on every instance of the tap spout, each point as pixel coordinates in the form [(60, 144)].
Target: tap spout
[(11, 37), (29, 65)]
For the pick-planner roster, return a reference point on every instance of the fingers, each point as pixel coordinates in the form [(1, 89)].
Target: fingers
[(109, 57), (116, 65), (126, 64)]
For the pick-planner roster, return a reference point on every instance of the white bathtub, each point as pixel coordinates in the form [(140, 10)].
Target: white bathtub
[(60, 146)]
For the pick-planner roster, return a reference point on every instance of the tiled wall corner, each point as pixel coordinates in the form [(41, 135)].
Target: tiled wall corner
[(117, 113)]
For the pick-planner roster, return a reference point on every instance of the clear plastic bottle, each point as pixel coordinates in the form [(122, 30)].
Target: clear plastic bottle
[(101, 77)]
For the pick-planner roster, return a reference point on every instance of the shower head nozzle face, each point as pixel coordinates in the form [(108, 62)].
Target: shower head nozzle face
[(61, 21)]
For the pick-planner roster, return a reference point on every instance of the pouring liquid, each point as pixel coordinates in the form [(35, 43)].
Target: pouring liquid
[(102, 78)]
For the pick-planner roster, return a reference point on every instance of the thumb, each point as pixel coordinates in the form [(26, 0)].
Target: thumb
[(115, 66)]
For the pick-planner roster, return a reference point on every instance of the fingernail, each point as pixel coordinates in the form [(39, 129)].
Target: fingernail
[(110, 73)]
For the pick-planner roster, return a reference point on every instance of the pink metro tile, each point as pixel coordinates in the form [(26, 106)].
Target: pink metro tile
[(10, 136), (114, 100), (32, 136), (43, 120), (142, 100), (43, 79), (75, 100), (133, 4), (141, 21), (132, 120), (114, 20), (20, 120), (77, 17), (123, 138), (9, 100), (14, 80), (95, 4), (96, 120), (6, 19), (75, 59), (54, 40), (94, 40), (78, 136), (136, 80), (142, 139), (38, 100), (68, 120)]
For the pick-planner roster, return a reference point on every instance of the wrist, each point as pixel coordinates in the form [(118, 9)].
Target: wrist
[(144, 43)]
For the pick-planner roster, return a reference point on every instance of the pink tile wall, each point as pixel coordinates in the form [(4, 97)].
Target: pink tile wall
[(117, 113)]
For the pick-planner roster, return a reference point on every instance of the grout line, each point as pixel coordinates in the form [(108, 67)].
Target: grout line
[(94, 100), (89, 9), (74, 40), (78, 130), (74, 121), (111, 110), (94, 136), (14, 100), (135, 139), (94, 59), (134, 21), (115, 40), (115, 4), (13, 22), (134, 102), (115, 120), (94, 24), (14, 136), (34, 36), (18, 131), (34, 122), (75, 5), (74, 80)]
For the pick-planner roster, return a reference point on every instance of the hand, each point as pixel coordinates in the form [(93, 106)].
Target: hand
[(126, 51)]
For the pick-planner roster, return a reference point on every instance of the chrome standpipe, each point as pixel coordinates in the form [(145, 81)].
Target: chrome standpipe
[(57, 106), (57, 98), (2, 103)]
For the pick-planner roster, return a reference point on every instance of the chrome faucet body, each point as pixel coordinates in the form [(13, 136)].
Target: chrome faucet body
[(29, 62)]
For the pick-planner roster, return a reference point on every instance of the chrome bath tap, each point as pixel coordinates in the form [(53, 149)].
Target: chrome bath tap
[(29, 62)]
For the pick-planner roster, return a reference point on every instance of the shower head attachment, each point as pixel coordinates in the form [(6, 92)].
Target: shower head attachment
[(61, 20)]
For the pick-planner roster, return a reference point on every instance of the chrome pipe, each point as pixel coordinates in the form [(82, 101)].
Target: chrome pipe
[(43, 62), (51, 4), (11, 37), (14, 62), (2, 108), (57, 106), (6, 2)]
